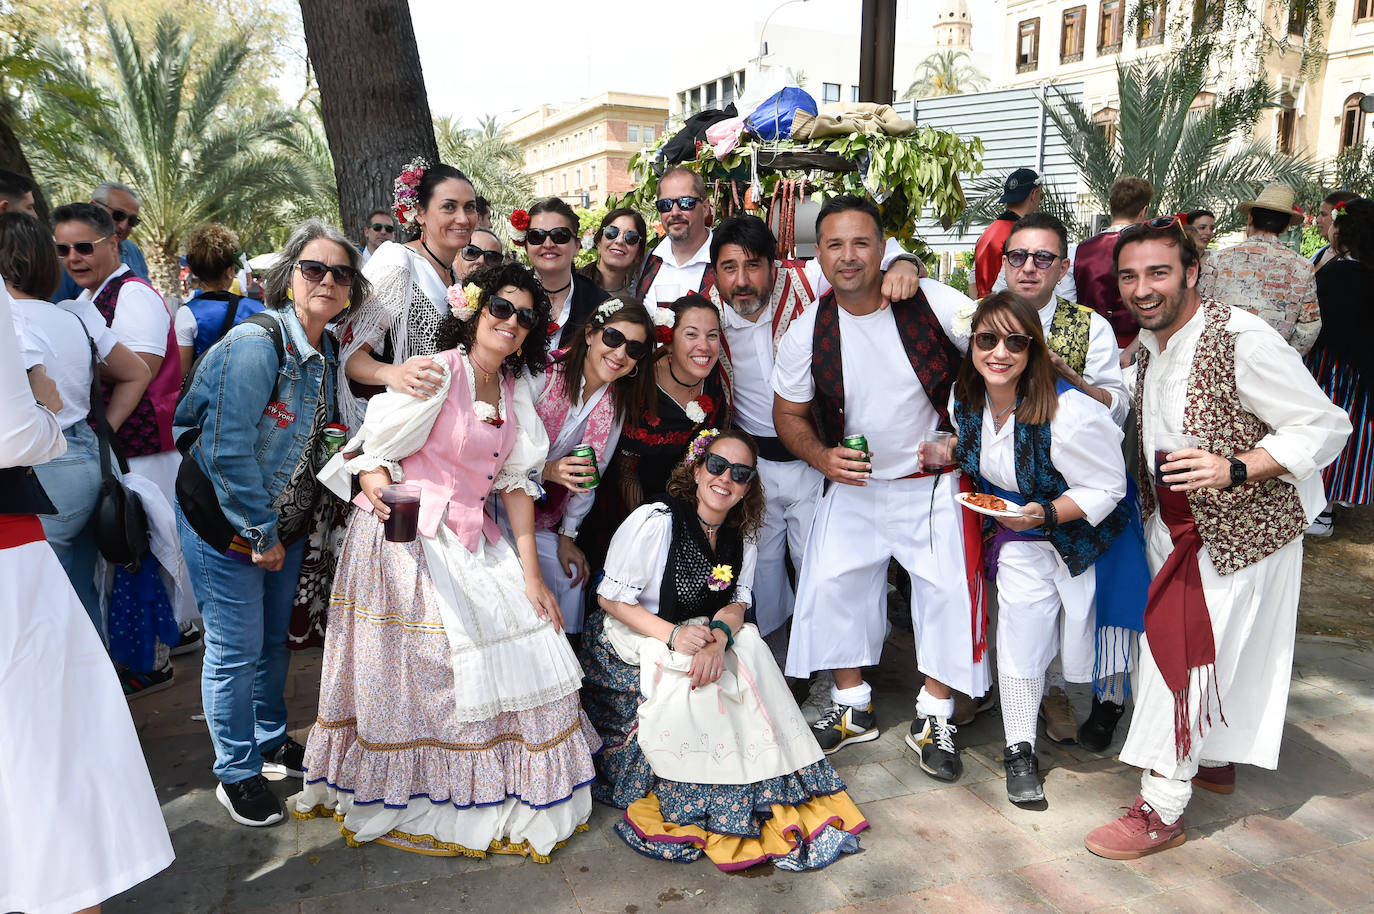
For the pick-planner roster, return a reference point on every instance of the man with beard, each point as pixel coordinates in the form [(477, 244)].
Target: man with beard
[(1223, 533)]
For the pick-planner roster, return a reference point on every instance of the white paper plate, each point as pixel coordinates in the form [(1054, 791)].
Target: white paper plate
[(962, 498)]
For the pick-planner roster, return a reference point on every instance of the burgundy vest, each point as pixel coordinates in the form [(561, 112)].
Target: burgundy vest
[(933, 357), (653, 263), (1094, 273), (148, 430)]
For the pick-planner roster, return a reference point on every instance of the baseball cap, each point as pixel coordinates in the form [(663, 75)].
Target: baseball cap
[(1019, 185)]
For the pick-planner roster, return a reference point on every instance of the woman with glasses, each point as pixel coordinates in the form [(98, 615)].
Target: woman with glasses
[(485, 250), (57, 340), (1053, 455), (551, 244), (211, 254), (388, 343), (251, 425), (620, 246), (449, 720), (706, 750)]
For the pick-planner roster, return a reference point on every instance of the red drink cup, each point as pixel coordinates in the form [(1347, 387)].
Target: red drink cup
[(404, 522), (1166, 445)]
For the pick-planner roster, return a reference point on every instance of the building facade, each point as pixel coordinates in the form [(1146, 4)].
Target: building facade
[(582, 152)]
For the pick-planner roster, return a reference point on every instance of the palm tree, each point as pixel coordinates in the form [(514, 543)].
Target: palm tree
[(1194, 155), (946, 73), (188, 152), (487, 156)]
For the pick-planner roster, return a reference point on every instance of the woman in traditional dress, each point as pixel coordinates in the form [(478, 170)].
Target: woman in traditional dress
[(692, 395), (705, 748), (620, 246), (388, 343), (583, 399), (449, 720), (1030, 438), (551, 243), (79, 819), (1342, 359)]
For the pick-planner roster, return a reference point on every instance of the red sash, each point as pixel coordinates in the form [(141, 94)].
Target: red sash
[(20, 530)]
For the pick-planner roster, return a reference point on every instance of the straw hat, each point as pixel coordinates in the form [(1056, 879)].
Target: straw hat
[(1277, 198)]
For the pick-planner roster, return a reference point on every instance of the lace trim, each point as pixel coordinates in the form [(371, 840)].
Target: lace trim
[(436, 847)]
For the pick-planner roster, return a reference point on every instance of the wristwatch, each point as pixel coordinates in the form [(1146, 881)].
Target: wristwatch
[(1239, 472)]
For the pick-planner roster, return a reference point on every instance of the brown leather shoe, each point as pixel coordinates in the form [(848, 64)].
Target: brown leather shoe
[(1221, 779), (1137, 834), (1057, 713), (966, 708)]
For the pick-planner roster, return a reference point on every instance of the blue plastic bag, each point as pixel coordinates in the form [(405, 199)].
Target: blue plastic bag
[(772, 120)]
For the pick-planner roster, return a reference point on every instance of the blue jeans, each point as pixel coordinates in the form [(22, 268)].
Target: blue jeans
[(247, 612), (72, 481)]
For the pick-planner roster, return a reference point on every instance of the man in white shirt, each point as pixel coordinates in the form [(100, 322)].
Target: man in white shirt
[(884, 373), (678, 264)]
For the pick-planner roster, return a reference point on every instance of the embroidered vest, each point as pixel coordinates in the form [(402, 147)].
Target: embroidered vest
[(1069, 333), (1239, 526), (933, 357), (148, 430), (1094, 273), (553, 408), (653, 263), (1078, 542)]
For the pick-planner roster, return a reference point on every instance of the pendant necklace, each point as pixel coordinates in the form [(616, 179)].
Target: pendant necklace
[(486, 375), (1000, 419)]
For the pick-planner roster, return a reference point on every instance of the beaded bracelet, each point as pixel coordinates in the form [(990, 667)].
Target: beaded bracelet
[(725, 627), (672, 635)]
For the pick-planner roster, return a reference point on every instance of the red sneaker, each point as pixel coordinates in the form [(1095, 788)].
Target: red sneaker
[(1218, 780), (1138, 833)]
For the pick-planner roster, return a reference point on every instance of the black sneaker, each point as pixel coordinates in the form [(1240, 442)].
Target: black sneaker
[(251, 802), (841, 725), (192, 637), (136, 685), (1097, 731), (1023, 774), (933, 739), (288, 758)]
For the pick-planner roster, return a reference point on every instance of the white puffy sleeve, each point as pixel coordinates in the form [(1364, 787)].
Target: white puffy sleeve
[(29, 433), (524, 467), (1085, 447), (744, 584), (637, 555)]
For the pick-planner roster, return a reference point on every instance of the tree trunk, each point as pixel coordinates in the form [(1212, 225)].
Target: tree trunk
[(12, 158), (164, 271), (376, 117)]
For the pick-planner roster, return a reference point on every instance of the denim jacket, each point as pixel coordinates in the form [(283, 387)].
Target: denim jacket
[(249, 440)]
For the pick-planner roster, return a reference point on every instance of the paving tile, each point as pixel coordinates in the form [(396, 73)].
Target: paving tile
[(181, 887), (309, 875), (1303, 773), (383, 865), (871, 782), (1349, 737), (1266, 838), (536, 887), (203, 835), (1003, 892), (1275, 894), (1338, 819), (1086, 883), (1341, 876), (1202, 898), (1201, 859)]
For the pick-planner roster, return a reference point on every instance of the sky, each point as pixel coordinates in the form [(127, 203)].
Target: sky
[(589, 47)]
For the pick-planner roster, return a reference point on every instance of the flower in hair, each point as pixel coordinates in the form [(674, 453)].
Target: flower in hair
[(407, 195), (607, 308), (463, 300), (701, 442), (961, 326), (664, 321), (720, 577), (1338, 207), (552, 328), (588, 241), (519, 221)]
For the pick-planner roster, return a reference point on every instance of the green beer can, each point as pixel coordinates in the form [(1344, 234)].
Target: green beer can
[(334, 437), (586, 450), (858, 443)]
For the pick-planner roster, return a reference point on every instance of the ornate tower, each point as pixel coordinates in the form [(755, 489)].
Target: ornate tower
[(953, 27)]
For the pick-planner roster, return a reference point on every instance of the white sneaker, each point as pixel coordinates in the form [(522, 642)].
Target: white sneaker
[(818, 701), (1321, 526)]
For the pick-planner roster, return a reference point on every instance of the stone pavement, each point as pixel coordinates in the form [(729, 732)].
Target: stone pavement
[(1298, 839)]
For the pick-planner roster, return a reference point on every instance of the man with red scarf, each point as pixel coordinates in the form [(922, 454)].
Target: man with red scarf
[(1223, 535)]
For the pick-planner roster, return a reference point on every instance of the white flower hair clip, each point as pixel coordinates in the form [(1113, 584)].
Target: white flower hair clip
[(961, 325), (463, 300), (606, 309)]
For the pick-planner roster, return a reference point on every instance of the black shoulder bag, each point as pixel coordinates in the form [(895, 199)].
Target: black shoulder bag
[(119, 524)]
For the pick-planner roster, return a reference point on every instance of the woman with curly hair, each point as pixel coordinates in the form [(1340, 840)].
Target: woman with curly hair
[(449, 720), (705, 748), (206, 318)]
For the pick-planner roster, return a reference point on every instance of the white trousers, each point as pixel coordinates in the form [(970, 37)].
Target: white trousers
[(840, 620), (793, 490), (1043, 610)]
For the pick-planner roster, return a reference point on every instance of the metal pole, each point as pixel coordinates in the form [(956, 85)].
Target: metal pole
[(877, 47)]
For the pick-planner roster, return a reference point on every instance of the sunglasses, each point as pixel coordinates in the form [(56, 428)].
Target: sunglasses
[(559, 235), (118, 215), (472, 253), (741, 473), (611, 233), (84, 248), (614, 339), (1042, 259), (686, 204), (1159, 222), (987, 341), (502, 309), (314, 271), (383, 227)]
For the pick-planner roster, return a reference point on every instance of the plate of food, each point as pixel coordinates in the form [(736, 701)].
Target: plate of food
[(991, 505)]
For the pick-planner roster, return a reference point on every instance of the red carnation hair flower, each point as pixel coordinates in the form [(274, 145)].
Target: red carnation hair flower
[(664, 335), (520, 220)]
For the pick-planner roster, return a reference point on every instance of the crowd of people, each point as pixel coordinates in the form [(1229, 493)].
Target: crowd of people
[(625, 533)]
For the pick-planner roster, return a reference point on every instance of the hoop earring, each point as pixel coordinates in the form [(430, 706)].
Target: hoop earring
[(634, 372)]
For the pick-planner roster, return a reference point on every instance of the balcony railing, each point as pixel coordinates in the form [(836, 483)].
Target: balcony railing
[(1075, 57)]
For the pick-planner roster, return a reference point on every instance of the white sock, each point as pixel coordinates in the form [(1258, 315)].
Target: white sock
[(928, 705), (1211, 763), (1054, 676), (1166, 796), (1114, 688), (1020, 707), (859, 696)]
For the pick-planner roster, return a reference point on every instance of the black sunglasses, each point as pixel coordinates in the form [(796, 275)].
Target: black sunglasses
[(84, 248), (1159, 222), (741, 473), (118, 215), (614, 339), (383, 227), (686, 204), (559, 235), (471, 253), (987, 341), (314, 271), (611, 233), (502, 309), (1042, 259)]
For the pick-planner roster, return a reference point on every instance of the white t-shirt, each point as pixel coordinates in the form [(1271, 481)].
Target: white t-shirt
[(186, 327), (883, 399), (52, 337), (141, 320)]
